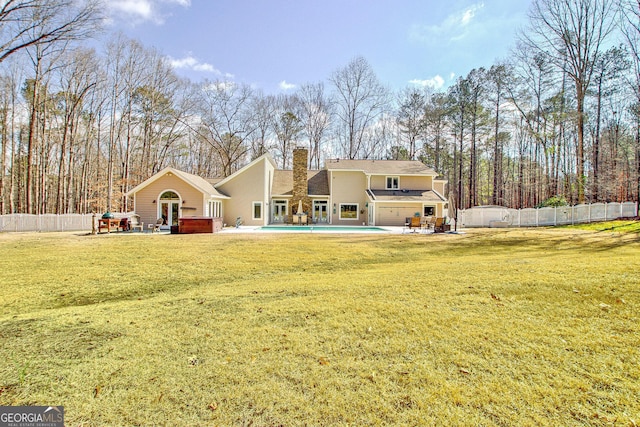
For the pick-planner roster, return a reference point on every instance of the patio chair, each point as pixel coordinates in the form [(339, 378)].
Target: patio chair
[(156, 227), (135, 224), (425, 223), (432, 223), (415, 222), (438, 227)]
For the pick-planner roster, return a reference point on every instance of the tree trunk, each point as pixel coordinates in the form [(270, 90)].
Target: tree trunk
[(31, 142), (580, 178)]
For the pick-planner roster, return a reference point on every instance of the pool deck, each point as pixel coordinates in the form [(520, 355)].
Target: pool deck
[(330, 230)]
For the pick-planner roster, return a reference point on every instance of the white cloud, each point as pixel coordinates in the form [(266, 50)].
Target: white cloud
[(454, 27), (137, 11), (189, 62), (470, 13), (435, 83), (286, 86)]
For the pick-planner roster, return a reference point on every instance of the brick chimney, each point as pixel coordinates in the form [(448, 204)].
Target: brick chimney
[(300, 181)]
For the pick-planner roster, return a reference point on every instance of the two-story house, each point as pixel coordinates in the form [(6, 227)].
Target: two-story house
[(345, 192)]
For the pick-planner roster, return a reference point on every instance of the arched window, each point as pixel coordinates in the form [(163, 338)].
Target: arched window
[(169, 195)]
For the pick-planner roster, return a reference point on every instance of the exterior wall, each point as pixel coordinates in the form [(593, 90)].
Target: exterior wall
[(347, 187), (149, 211), (379, 182), (248, 186), (394, 214), (438, 186)]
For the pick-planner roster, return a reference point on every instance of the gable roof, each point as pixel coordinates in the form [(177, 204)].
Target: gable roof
[(317, 183), (195, 181), (381, 167), (243, 169)]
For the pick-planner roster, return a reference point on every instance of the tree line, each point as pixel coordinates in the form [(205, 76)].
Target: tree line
[(556, 122)]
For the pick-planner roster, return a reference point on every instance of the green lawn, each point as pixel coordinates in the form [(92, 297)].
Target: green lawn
[(492, 328)]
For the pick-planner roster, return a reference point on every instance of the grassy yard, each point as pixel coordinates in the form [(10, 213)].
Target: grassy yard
[(492, 328)]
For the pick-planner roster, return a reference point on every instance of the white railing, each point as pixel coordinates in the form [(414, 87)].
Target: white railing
[(45, 222), (496, 216)]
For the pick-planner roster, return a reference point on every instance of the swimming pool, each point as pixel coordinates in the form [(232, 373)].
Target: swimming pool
[(324, 229)]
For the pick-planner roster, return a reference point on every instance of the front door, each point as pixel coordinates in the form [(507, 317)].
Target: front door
[(320, 212), (279, 210), (169, 208)]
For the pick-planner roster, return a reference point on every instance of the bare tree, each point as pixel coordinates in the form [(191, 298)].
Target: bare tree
[(538, 92), (126, 64), (286, 125), (478, 119), (77, 78), (572, 33), (360, 100), (263, 107), (410, 118), (9, 90), (437, 109), (607, 71), (227, 122), (315, 115), (630, 10), (156, 111), (25, 23), (497, 81)]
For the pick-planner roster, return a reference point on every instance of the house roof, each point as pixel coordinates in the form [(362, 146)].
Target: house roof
[(245, 168), (405, 196), (195, 181), (381, 167), (317, 182)]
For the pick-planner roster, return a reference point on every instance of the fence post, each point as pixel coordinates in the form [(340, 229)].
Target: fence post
[(519, 217)]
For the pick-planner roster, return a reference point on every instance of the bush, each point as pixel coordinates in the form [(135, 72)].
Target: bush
[(553, 202)]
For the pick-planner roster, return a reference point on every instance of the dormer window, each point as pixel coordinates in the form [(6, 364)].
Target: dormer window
[(393, 182)]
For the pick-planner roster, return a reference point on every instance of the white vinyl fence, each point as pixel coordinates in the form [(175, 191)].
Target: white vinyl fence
[(46, 222), (496, 216)]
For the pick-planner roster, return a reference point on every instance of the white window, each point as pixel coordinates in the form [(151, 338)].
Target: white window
[(349, 211), (257, 210), (393, 182), (428, 210), (215, 209)]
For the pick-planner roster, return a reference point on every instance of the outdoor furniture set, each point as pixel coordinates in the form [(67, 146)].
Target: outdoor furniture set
[(426, 223)]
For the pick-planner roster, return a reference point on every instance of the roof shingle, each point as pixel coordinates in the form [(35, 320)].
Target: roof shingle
[(381, 167)]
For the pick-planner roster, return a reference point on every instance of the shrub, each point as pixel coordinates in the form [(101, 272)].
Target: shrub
[(553, 202)]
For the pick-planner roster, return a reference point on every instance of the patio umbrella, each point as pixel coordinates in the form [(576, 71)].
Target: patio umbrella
[(299, 207), (452, 205)]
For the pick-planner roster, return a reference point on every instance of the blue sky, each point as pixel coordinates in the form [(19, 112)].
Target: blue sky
[(277, 45)]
